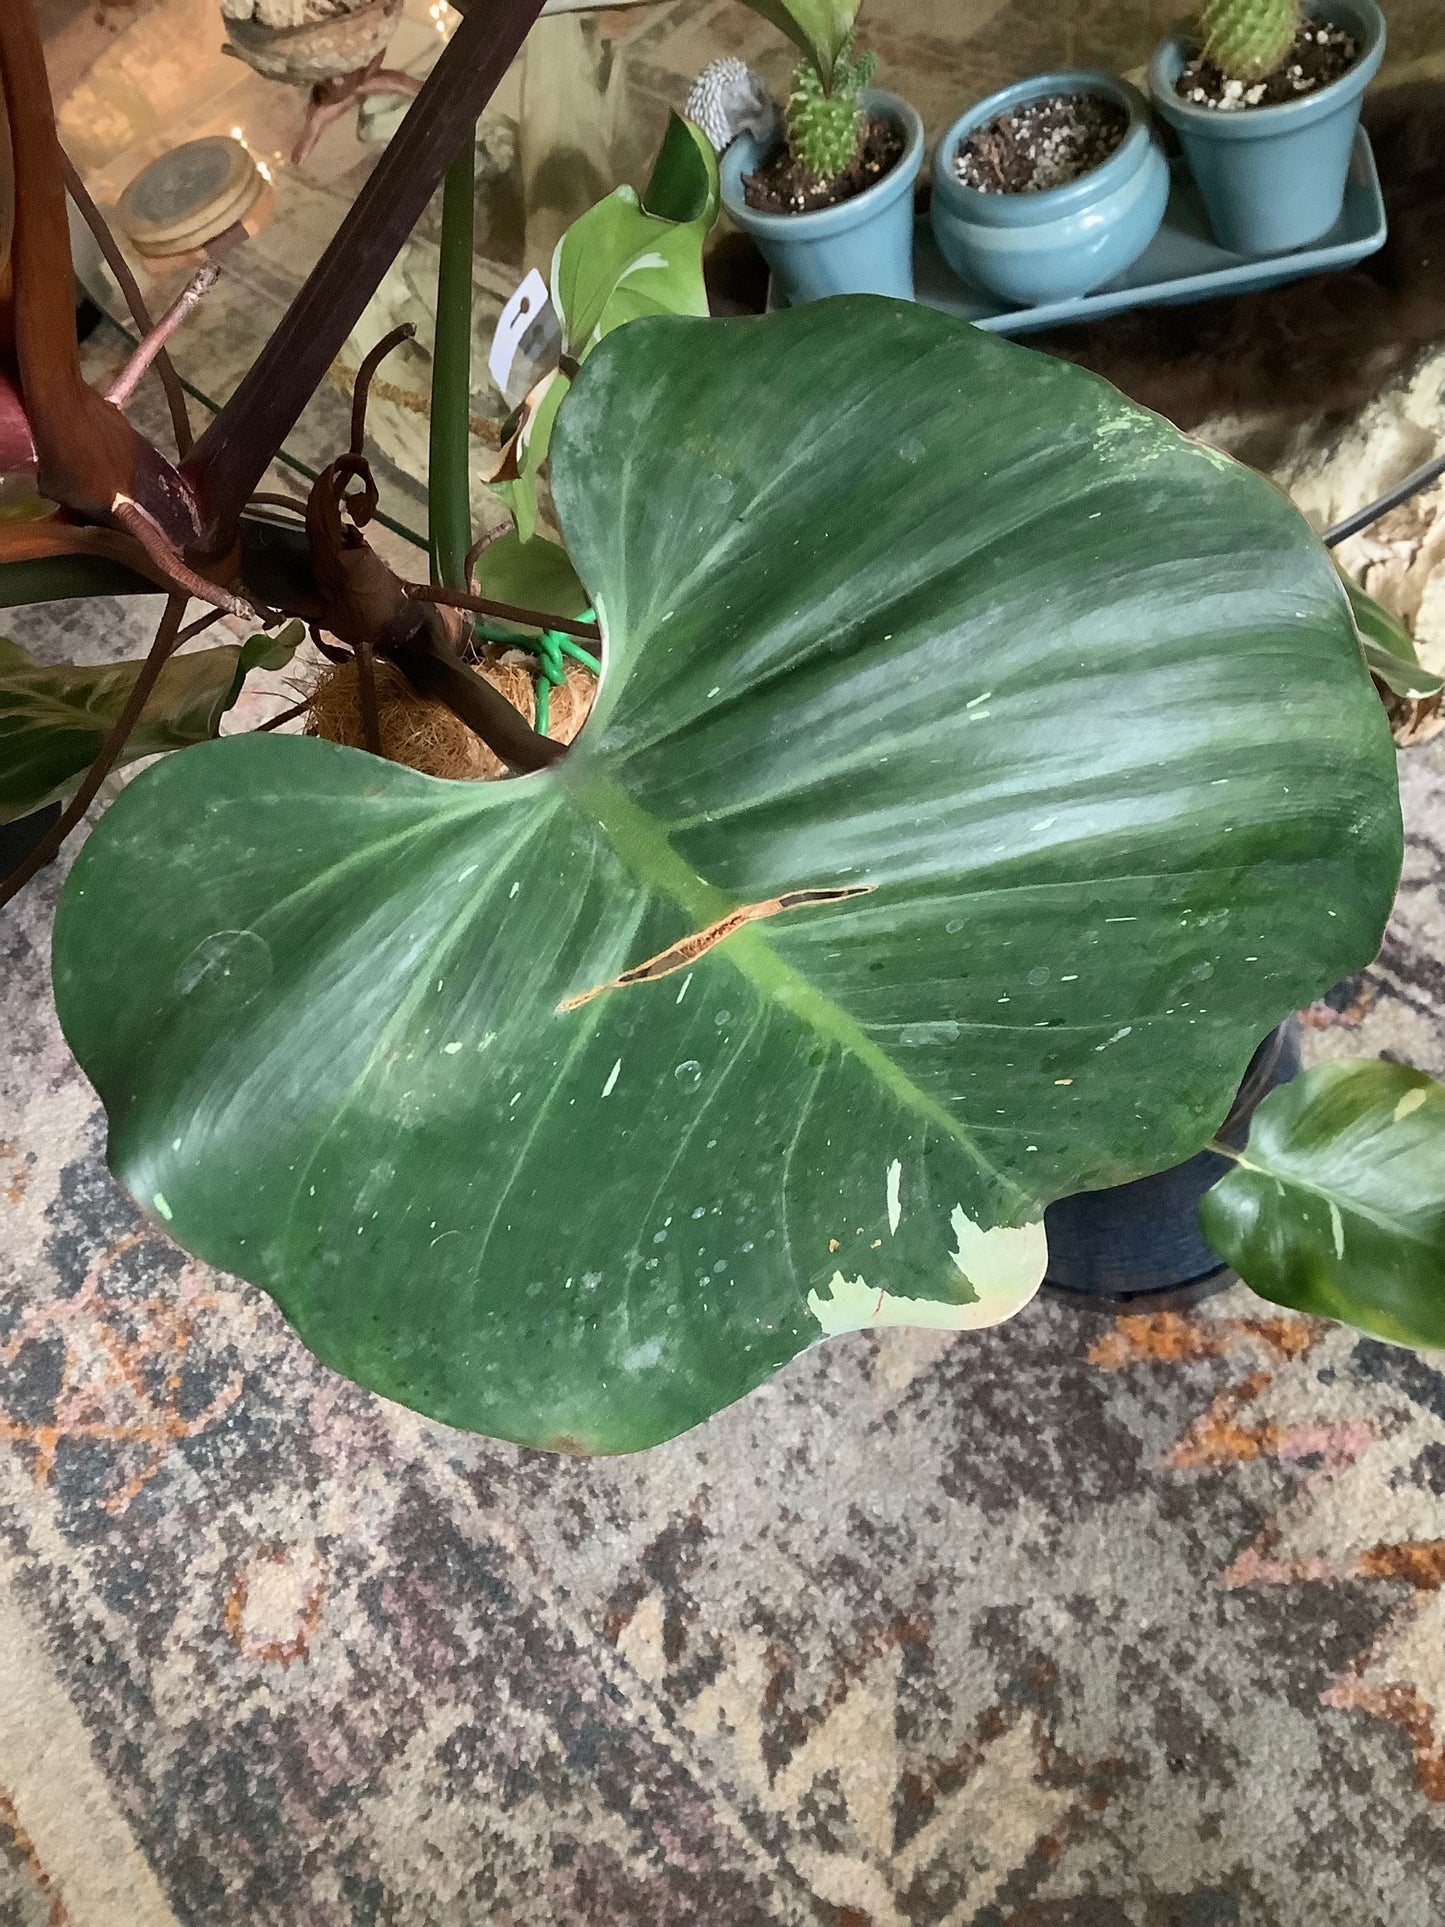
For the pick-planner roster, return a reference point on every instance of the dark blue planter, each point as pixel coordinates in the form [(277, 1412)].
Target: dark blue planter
[(1139, 1245), (19, 838)]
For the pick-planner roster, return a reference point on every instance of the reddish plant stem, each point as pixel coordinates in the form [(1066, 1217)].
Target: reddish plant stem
[(87, 451), (231, 456), (331, 98), (167, 637), (134, 300), (153, 344), (175, 572)]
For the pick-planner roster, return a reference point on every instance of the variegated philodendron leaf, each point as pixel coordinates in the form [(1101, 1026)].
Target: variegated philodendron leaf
[(55, 717), (1337, 1206)]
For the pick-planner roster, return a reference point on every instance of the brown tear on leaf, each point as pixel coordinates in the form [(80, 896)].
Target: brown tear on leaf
[(507, 467), (678, 955)]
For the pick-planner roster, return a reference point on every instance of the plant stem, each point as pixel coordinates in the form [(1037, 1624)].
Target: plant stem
[(366, 690), (503, 611), (134, 300), (449, 494), (167, 637), (483, 708), (154, 342), (86, 451), (286, 716), (234, 452), (479, 548)]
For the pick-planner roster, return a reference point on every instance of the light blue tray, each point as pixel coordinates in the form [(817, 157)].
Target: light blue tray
[(1183, 262)]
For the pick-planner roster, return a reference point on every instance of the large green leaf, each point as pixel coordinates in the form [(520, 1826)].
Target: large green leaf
[(820, 27), (1337, 1207), (890, 606), (54, 718)]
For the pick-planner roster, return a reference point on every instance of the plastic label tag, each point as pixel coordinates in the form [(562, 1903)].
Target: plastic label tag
[(527, 342)]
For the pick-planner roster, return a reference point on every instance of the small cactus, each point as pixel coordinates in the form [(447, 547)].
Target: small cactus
[(1248, 39), (826, 125)]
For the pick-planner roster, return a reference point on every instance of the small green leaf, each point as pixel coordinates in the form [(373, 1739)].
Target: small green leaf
[(1337, 1207), (1411, 693), (685, 183), (617, 262), (271, 652), (54, 718), (1378, 625), (820, 27), (1407, 679), (537, 574), (522, 460)]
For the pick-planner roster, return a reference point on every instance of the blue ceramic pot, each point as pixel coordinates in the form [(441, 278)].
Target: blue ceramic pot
[(1273, 178), (1065, 241), (863, 246), (1140, 1243)]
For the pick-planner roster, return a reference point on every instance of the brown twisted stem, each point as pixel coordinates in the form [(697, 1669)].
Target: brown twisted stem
[(483, 542), (361, 392)]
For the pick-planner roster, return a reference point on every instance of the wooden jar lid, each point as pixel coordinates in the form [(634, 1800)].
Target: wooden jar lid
[(188, 196)]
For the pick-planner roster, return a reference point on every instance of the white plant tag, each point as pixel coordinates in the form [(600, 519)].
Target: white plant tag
[(527, 342)]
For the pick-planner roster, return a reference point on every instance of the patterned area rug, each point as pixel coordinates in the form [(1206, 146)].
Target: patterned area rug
[(1082, 1623)]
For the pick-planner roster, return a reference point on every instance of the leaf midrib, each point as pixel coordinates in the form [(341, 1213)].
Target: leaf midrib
[(643, 848)]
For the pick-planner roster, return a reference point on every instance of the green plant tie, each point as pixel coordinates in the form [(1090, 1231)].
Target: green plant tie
[(550, 648)]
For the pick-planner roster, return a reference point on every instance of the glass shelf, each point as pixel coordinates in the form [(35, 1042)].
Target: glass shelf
[(167, 79)]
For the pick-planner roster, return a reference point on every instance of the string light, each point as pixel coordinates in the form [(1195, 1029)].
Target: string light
[(238, 134)]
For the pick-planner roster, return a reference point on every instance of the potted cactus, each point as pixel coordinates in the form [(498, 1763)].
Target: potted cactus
[(830, 203), (1265, 96)]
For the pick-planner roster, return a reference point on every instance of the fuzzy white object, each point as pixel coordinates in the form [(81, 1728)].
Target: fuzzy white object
[(728, 99), (283, 15)]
